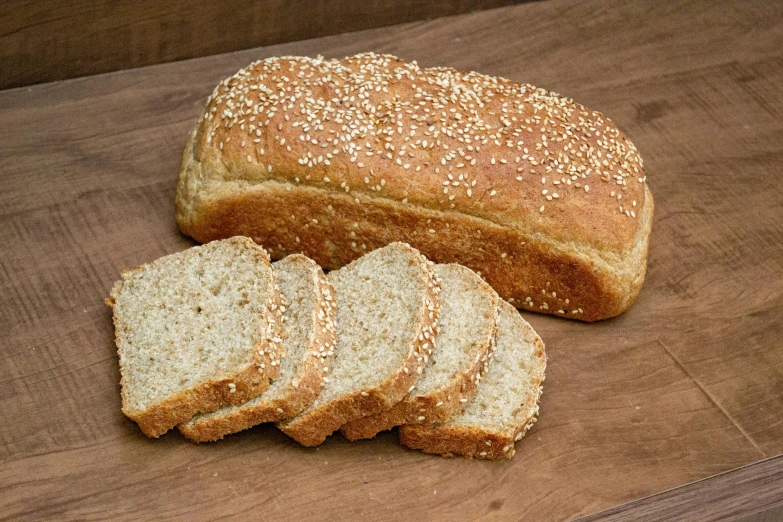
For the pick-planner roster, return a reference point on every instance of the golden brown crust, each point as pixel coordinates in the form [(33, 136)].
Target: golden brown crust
[(313, 426), (588, 243), (300, 393), (440, 404), (471, 441), (468, 441), (251, 381), (210, 396)]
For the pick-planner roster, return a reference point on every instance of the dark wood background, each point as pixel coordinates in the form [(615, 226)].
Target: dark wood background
[(686, 385), (48, 40)]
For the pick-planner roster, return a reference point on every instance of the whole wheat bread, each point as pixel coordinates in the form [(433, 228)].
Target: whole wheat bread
[(196, 331), (387, 311), (328, 157), (309, 343), (467, 324), (505, 406)]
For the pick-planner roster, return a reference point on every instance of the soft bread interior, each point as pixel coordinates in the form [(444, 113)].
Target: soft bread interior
[(189, 318)]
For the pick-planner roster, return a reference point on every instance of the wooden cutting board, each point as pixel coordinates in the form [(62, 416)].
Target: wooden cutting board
[(687, 384)]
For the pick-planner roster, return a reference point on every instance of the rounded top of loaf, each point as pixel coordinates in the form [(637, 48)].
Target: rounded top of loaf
[(376, 126)]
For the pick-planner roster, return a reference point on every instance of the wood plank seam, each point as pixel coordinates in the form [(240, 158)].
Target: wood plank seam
[(712, 399)]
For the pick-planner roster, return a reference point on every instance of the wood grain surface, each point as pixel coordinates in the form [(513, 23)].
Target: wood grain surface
[(48, 40), (686, 385), (756, 489)]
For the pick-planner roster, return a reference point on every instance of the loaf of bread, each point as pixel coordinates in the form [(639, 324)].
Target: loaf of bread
[(543, 197)]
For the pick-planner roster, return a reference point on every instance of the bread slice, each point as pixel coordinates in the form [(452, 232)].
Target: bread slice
[(309, 343), (196, 331), (387, 312), (466, 331), (505, 406)]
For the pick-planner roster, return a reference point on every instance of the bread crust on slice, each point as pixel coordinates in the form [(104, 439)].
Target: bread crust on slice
[(297, 393), (249, 381), (437, 405), (321, 420), (483, 440)]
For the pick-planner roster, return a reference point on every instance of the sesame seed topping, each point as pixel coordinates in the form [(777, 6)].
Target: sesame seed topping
[(314, 111)]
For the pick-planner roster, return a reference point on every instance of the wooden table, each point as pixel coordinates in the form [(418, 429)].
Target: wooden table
[(686, 385)]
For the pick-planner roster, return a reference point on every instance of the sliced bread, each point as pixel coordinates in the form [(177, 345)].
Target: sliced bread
[(466, 331), (196, 331), (309, 342), (387, 311), (505, 406)]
